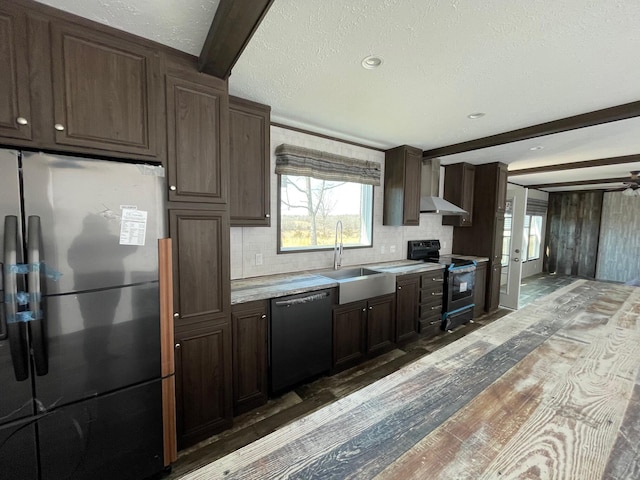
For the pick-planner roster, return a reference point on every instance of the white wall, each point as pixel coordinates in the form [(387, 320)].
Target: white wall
[(533, 267), (246, 242)]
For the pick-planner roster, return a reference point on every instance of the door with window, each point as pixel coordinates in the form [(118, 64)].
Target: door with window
[(512, 246)]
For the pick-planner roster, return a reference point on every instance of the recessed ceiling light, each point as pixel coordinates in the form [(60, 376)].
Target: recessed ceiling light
[(537, 147), (372, 61), (473, 116)]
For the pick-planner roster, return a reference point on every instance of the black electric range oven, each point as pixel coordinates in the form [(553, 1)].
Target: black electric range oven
[(459, 281)]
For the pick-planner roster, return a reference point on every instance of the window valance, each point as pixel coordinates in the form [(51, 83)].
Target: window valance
[(536, 207), (292, 160)]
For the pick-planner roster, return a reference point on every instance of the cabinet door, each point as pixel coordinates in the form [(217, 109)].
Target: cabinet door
[(412, 176), (200, 265), (479, 289), (349, 335), (203, 384), (197, 129), (249, 153), (501, 189), (459, 185), (15, 113), (381, 328), (407, 291), (250, 324), (105, 91), (493, 294)]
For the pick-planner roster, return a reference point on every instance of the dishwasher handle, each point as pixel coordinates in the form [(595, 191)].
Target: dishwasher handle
[(301, 300)]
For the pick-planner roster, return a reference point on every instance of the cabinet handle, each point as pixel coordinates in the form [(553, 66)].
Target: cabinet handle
[(438, 279), (267, 215), (263, 316), (173, 188), (176, 315), (437, 307), (436, 293), (177, 345), (22, 121), (59, 127)]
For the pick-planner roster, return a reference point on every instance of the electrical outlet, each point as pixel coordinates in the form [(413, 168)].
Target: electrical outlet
[(258, 259), (382, 249), (392, 249)]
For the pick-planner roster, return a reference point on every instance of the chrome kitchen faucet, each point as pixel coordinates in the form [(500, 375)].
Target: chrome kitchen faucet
[(337, 249)]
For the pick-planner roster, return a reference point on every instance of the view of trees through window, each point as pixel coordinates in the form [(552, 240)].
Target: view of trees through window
[(310, 209)]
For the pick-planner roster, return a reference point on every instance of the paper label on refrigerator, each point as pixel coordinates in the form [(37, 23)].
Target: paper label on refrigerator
[(463, 287), (133, 227)]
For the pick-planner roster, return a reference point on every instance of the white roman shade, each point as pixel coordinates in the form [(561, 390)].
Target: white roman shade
[(300, 161)]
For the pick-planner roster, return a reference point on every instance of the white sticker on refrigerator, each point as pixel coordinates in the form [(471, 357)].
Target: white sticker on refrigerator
[(463, 287), (133, 227)]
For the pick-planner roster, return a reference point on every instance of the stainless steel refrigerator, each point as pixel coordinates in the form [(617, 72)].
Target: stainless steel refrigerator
[(80, 386)]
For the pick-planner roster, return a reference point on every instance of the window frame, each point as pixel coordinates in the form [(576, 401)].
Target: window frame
[(315, 248)]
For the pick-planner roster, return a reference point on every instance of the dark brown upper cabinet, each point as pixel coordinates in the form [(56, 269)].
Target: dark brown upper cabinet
[(197, 146), (15, 108), (105, 91), (201, 280), (249, 176), (459, 181), (402, 178)]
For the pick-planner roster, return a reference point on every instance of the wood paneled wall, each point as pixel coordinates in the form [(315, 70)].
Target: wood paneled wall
[(573, 228)]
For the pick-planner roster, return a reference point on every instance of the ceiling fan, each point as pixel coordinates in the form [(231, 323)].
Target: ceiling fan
[(632, 187)]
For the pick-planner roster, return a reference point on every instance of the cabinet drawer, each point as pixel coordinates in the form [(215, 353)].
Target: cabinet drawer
[(429, 310), (429, 295), (432, 279)]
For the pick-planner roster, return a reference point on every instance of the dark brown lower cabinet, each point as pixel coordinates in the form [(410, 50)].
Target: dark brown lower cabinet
[(430, 308), (203, 383), (381, 324), (479, 289), (349, 335), (407, 299), (250, 326), (493, 294)]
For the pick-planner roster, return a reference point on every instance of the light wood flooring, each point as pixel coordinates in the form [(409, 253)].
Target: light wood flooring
[(451, 438)]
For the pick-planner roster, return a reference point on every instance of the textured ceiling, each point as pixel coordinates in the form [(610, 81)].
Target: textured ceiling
[(522, 62)]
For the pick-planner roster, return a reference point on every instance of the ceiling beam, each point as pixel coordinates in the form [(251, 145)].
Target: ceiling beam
[(600, 162), (612, 114), (233, 26), (578, 183)]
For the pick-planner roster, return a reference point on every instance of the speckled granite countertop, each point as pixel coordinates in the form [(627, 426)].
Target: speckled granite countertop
[(272, 286)]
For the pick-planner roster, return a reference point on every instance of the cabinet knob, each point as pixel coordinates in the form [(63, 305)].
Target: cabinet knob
[(370, 308), (263, 316), (22, 121), (177, 345), (399, 288), (173, 188), (268, 215), (176, 315), (364, 309), (59, 127)]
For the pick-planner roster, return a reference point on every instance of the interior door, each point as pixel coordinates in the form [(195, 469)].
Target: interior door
[(512, 246)]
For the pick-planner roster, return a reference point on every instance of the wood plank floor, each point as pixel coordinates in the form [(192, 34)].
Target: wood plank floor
[(549, 391)]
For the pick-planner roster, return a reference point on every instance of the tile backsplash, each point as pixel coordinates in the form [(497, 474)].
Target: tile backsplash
[(254, 249)]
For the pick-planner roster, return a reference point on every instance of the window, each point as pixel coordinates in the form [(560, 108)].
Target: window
[(532, 237), (309, 209), (506, 238)]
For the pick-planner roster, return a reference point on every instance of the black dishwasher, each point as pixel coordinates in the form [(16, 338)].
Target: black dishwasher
[(299, 338)]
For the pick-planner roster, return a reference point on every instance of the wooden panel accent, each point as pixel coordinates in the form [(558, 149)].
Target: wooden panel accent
[(250, 160), (14, 74), (250, 350), (201, 265), (598, 117), (105, 92), (349, 335), (232, 28), (577, 183), (204, 384), (198, 163), (167, 351), (573, 165), (573, 229)]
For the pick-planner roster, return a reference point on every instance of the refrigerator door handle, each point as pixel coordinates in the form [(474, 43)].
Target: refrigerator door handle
[(36, 326), (16, 330)]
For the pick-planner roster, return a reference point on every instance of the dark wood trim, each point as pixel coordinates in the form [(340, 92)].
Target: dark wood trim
[(578, 183), (233, 26), (600, 162), (328, 137), (598, 117)]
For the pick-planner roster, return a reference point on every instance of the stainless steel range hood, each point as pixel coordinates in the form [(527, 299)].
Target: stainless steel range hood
[(430, 201)]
